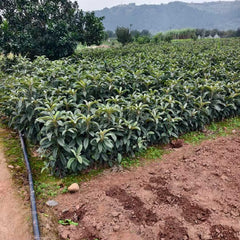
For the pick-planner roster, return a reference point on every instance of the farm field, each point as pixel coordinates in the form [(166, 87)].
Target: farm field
[(102, 107), (191, 192), (98, 106)]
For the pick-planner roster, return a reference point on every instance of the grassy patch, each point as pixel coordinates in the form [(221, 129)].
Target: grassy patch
[(128, 162), (150, 154), (13, 153), (215, 129), (48, 186), (153, 153), (194, 137)]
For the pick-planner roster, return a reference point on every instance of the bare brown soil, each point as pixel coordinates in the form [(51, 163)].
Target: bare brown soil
[(192, 194), (15, 221)]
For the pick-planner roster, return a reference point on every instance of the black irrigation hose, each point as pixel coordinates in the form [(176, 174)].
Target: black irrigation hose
[(36, 231)]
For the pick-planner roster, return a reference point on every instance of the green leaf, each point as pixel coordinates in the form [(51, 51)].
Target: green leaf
[(113, 136), (79, 150), (60, 141), (70, 161), (85, 161), (100, 147), (119, 158), (49, 136), (86, 143), (80, 160), (216, 107), (67, 148), (79, 141), (108, 144)]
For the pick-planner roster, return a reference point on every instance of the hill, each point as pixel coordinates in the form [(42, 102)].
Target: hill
[(174, 15)]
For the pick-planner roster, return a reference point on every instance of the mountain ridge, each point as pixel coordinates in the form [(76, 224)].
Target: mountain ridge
[(174, 15)]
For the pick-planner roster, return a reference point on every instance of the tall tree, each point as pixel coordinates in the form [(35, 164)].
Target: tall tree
[(94, 30), (123, 35), (44, 27)]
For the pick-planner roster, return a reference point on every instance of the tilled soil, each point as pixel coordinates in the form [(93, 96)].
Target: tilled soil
[(192, 194)]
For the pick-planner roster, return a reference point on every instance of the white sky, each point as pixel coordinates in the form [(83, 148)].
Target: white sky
[(89, 5)]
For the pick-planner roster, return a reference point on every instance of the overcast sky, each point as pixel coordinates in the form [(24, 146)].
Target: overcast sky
[(88, 5)]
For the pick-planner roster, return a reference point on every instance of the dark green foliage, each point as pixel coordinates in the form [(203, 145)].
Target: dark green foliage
[(145, 32), (51, 28), (175, 34), (237, 33), (143, 39), (135, 33), (82, 115), (94, 30), (166, 37), (123, 35)]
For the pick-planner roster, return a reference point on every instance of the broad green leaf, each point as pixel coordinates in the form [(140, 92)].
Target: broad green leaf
[(70, 161), (61, 141)]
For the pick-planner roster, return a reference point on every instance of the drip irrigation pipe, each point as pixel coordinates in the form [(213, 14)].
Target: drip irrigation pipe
[(36, 231)]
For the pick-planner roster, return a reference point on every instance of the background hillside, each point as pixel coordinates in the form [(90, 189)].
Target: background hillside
[(174, 15)]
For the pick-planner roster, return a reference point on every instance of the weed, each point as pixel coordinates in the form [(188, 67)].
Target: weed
[(194, 137), (152, 153), (46, 190), (64, 190), (129, 162), (67, 222)]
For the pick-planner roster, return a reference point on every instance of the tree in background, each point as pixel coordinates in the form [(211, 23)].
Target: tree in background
[(237, 33), (123, 35), (110, 34), (145, 32), (94, 30), (135, 34), (141, 37), (46, 27), (159, 37)]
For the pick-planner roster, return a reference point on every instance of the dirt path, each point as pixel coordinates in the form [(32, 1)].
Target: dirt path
[(193, 194), (14, 218)]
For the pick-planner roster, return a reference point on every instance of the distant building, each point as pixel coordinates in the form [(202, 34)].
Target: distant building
[(216, 36)]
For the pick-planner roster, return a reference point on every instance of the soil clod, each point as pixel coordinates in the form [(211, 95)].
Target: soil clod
[(139, 213), (219, 232), (194, 213), (75, 215), (173, 230)]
